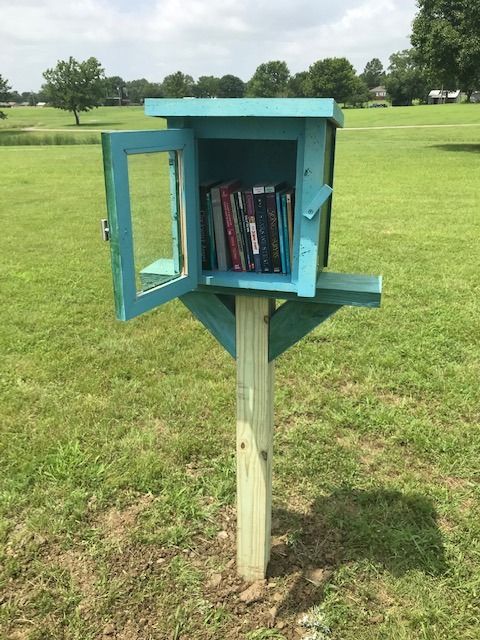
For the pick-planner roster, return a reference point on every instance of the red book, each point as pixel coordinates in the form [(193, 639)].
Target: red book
[(225, 190)]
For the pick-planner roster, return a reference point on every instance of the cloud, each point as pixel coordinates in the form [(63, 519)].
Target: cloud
[(151, 38)]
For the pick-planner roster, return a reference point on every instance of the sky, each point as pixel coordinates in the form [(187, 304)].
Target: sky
[(152, 38)]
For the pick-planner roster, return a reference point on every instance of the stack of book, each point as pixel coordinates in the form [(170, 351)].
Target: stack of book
[(247, 229)]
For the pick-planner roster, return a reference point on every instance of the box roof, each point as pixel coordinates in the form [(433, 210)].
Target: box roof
[(246, 107)]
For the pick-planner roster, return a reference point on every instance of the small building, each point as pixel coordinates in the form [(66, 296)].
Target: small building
[(41, 104), (378, 93), (443, 96)]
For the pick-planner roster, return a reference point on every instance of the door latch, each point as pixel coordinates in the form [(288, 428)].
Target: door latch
[(105, 229)]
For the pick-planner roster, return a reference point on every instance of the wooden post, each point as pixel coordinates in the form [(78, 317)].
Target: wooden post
[(254, 436)]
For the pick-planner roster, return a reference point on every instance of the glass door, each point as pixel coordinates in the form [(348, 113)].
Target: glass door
[(151, 201)]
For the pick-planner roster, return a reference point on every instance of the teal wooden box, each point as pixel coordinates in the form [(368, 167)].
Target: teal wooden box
[(254, 140)]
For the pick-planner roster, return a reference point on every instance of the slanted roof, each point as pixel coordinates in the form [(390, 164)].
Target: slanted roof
[(246, 107), (438, 93), (379, 89)]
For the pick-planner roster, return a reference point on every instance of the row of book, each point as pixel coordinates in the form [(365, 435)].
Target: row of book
[(247, 229)]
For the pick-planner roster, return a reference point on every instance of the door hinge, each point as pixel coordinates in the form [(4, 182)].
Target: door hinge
[(105, 229)]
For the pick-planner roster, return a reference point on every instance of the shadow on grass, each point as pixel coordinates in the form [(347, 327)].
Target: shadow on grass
[(465, 147), (89, 125), (395, 531)]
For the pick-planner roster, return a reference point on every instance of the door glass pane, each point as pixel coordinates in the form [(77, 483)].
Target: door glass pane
[(156, 210)]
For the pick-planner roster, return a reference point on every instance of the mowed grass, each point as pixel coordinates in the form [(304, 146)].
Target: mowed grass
[(117, 445)]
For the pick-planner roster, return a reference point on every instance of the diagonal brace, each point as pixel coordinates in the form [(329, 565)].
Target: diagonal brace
[(216, 313), (293, 320)]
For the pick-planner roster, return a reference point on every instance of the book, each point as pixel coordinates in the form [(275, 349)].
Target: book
[(252, 223), (286, 239), (281, 231), (289, 197), (225, 190), (211, 233), (206, 226), (260, 206), (246, 231), (239, 233), (272, 216), (221, 243)]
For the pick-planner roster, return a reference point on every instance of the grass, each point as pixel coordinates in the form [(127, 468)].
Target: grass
[(117, 443)]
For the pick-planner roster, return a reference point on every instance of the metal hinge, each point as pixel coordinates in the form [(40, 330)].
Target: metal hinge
[(105, 229)]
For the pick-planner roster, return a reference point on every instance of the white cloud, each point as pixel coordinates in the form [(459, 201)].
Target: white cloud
[(151, 38)]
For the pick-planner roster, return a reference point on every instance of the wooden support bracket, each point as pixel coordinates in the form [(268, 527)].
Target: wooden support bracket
[(216, 313), (292, 321)]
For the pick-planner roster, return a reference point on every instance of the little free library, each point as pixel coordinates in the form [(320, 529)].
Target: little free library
[(228, 208)]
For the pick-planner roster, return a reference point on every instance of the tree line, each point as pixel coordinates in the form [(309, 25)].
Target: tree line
[(445, 53)]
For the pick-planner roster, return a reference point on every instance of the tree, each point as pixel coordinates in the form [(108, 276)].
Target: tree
[(373, 74), (406, 80), (231, 87), (446, 37), (140, 89), (296, 85), (269, 80), (4, 89), (115, 92), (75, 86), (332, 78), (177, 85), (207, 87)]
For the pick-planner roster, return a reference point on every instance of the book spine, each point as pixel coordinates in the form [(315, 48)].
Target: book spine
[(211, 233), (281, 237), (250, 212), (230, 228), (262, 228), (220, 237), (289, 199), (238, 226), (204, 230), (272, 218), (246, 230), (286, 242)]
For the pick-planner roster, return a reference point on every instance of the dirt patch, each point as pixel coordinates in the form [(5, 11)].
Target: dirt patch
[(119, 523)]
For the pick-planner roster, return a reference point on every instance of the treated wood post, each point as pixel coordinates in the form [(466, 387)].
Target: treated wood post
[(254, 436)]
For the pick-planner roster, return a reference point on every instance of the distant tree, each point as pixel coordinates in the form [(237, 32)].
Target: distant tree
[(231, 87), (406, 80), (373, 74), (75, 86), (446, 36), (332, 78), (296, 85), (269, 80), (178, 85), (4, 89), (115, 89), (138, 90), (30, 97), (360, 93), (207, 87)]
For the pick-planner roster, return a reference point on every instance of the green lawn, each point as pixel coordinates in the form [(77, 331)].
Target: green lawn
[(117, 443)]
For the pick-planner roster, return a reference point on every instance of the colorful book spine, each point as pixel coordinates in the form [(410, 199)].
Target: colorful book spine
[(225, 191), (239, 234), (221, 243), (281, 233), (262, 227), (289, 196), (286, 239), (246, 231), (272, 217), (250, 213)]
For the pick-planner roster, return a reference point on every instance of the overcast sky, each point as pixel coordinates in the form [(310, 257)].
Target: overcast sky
[(152, 38)]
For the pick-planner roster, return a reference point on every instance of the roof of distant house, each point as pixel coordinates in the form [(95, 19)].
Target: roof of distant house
[(378, 89), (439, 93)]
